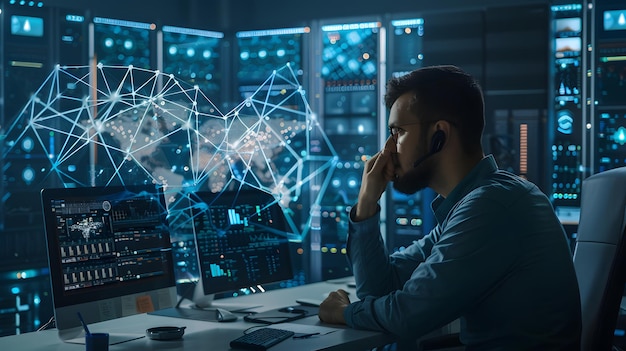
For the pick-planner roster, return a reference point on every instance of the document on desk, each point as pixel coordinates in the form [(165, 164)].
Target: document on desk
[(313, 330), (282, 315)]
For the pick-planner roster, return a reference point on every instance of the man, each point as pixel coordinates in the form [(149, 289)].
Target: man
[(498, 258)]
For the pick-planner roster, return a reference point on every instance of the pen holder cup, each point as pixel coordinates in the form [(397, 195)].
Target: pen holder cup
[(97, 342)]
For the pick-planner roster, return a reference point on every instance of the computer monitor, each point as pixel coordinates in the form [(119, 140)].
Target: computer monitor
[(241, 239), (109, 253)]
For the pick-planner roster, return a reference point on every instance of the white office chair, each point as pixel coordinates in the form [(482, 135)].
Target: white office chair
[(600, 256)]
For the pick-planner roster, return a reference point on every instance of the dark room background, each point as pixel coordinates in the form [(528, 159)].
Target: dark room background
[(553, 115)]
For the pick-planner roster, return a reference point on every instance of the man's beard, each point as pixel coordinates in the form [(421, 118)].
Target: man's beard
[(415, 179)]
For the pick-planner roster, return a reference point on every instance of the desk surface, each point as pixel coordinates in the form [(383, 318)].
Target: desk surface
[(202, 335)]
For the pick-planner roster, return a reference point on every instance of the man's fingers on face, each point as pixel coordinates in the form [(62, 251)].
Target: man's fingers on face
[(391, 150), (369, 164), (390, 145), (394, 159)]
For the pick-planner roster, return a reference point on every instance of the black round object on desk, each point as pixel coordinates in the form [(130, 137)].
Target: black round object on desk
[(165, 333)]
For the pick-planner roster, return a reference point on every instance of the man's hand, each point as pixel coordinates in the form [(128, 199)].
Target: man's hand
[(377, 173), (331, 309)]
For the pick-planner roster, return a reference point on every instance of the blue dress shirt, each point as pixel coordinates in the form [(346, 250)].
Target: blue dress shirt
[(498, 260)]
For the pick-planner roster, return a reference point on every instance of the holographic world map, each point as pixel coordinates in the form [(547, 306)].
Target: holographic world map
[(121, 125)]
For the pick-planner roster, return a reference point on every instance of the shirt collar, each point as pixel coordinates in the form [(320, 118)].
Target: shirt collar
[(441, 206)]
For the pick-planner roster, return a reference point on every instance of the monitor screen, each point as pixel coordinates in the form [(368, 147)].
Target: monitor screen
[(241, 240), (109, 253)]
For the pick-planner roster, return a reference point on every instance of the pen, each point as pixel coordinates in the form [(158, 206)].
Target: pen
[(304, 336), (82, 321)]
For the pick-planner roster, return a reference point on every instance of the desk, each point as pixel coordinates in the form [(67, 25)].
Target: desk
[(201, 335)]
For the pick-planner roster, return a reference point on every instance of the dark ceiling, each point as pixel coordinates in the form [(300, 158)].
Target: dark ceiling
[(233, 15)]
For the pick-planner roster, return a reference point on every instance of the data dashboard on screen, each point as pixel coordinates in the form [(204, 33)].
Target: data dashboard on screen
[(241, 240), (109, 253)]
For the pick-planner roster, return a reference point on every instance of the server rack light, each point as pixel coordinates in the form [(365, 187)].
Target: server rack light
[(566, 7), (265, 32), (350, 26), (413, 22), (24, 3), (523, 150), (124, 23), (75, 18), (190, 31)]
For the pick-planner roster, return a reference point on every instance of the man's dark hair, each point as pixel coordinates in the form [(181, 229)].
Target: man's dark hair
[(443, 92)]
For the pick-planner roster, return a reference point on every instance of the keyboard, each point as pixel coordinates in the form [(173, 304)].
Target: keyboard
[(261, 339)]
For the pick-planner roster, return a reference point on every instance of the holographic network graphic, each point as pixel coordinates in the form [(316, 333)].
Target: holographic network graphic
[(121, 125)]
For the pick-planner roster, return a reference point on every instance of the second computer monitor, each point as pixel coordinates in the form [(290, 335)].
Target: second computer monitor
[(241, 240)]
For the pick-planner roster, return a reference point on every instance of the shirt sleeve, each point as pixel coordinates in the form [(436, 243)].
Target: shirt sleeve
[(439, 271), (376, 273)]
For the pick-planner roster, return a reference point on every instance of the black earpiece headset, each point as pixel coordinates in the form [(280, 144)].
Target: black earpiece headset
[(436, 144)]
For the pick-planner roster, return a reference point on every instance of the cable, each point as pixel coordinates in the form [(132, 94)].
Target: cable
[(252, 327), (45, 326), (184, 294)]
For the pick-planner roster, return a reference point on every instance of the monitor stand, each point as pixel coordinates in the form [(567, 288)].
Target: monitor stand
[(199, 309), (203, 307), (206, 302), (200, 300)]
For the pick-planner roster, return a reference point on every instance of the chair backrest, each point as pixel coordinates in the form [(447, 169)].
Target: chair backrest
[(600, 256)]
